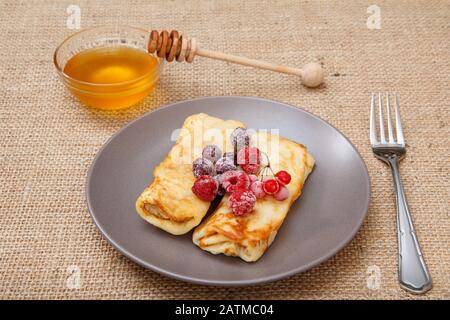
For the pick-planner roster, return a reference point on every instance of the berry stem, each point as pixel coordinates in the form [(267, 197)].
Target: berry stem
[(264, 169), (267, 158)]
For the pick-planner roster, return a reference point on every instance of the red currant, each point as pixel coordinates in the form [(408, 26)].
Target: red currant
[(283, 177), (282, 194), (257, 188), (271, 186)]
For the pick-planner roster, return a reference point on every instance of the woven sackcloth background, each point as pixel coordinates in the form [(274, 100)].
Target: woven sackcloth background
[(48, 139)]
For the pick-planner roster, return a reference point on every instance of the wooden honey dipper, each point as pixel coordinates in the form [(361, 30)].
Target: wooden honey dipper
[(173, 46)]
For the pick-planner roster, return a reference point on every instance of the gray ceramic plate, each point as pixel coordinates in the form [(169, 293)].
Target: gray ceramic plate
[(322, 221)]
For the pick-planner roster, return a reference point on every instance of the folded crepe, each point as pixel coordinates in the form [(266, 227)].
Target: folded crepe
[(169, 203), (249, 236)]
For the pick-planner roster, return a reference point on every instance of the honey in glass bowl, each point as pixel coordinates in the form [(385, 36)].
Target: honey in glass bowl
[(108, 67)]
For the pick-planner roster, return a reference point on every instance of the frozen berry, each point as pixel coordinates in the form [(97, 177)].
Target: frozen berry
[(220, 191), (282, 194), (212, 152), (240, 138), (233, 180), (229, 155), (252, 178), (202, 167), (225, 164), (257, 188), (271, 186), (249, 159), (241, 201), (283, 177), (205, 187)]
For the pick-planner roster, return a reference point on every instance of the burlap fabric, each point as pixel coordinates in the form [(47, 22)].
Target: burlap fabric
[(48, 139)]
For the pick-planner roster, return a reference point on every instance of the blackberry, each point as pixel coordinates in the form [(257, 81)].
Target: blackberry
[(240, 138), (225, 164), (202, 167), (212, 152)]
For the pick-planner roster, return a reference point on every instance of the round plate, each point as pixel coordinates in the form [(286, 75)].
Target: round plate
[(322, 221)]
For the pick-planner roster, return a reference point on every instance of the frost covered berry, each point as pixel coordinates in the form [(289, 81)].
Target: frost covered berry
[(249, 159), (282, 194), (233, 180), (202, 167), (257, 188), (229, 155), (220, 191), (240, 138), (241, 201), (225, 164), (205, 187), (252, 178), (212, 152)]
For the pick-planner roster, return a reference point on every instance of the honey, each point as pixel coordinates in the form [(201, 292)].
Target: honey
[(112, 77)]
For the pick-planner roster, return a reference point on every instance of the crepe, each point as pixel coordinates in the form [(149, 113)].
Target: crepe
[(169, 203), (249, 236)]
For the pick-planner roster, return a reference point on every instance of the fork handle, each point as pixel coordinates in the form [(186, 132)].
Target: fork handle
[(413, 274)]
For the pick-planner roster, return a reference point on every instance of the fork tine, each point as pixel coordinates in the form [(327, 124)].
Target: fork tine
[(373, 129), (389, 122), (398, 122), (380, 110)]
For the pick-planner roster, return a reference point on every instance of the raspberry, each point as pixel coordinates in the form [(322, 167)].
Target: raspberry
[(283, 177), (241, 201), (205, 187), (240, 138), (233, 180), (249, 159), (212, 152), (257, 188), (220, 191), (282, 194), (202, 167), (271, 186), (225, 164)]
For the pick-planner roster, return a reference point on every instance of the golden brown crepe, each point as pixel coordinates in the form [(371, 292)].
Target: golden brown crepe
[(168, 203), (249, 236)]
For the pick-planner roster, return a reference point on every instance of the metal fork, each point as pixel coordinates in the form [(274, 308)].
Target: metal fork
[(413, 274)]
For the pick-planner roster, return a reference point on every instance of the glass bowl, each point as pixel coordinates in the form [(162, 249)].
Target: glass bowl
[(107, 96)]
